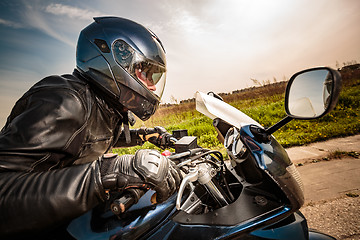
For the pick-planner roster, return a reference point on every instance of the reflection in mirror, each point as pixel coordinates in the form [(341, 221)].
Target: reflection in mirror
[(310, 93)]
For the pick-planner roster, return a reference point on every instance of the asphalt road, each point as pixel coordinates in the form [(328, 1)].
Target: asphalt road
[(332, 186)]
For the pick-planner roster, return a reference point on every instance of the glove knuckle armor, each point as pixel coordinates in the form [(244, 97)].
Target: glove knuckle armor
[(151, 165)]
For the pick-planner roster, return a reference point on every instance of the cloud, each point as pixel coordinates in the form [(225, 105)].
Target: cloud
[(11, 24), (39, 22), (36, 16), (70, 11)]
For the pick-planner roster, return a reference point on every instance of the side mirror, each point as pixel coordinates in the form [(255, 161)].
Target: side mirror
[(312, 93)]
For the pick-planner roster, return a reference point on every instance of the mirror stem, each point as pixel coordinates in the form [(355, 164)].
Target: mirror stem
[(278, 125)]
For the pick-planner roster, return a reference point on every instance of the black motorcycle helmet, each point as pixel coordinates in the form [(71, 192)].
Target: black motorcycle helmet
[(126, 60)]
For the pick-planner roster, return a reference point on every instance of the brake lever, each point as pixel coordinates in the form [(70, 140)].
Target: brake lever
[(191, 177)]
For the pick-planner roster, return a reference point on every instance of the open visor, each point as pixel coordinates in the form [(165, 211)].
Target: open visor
[(149, 73)]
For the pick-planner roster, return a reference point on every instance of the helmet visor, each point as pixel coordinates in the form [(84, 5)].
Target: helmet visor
[(149, 73)]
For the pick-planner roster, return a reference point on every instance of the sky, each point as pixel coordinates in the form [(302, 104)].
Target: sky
[(211, 45)]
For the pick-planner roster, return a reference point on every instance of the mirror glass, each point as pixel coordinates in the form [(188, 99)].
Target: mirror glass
[(309, 93)]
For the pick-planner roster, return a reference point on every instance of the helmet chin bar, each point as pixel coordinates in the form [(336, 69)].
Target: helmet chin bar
[(136, 103), (126, 100)]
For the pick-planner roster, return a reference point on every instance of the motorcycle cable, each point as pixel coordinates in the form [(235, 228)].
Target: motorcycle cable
[(220, 159)]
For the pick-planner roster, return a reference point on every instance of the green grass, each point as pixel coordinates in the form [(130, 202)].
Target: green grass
[(267, 108), (344, 120)]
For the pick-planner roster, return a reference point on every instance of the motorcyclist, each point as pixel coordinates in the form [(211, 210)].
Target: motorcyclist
[(52, 162)]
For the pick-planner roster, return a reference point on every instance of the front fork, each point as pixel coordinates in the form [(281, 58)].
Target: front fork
[(204, 174)]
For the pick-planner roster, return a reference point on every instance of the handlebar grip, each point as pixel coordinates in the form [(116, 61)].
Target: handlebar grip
[(129, 198)]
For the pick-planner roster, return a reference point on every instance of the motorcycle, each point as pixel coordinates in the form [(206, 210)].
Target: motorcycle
[(255, 194)]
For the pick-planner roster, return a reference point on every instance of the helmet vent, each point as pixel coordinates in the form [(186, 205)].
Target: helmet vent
[(102, 45)]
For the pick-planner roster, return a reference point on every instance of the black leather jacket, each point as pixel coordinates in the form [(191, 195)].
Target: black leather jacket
[(49, 148)]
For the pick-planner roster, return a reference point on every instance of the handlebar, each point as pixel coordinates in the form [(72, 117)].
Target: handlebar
[(129, 198)]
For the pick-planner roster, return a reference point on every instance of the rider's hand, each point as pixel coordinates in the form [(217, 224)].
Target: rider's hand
[(157, 136), (146, 169)]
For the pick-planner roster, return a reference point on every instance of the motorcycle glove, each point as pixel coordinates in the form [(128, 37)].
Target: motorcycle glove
[(146, 169), (157, 136)]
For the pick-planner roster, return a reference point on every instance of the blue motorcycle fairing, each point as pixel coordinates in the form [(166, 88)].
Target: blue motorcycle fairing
[(138, 220), (315, 235), (157, 222), (295, 229), (272, 158)]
